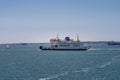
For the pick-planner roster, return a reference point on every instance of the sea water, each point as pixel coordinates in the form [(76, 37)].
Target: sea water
[(28, 62)]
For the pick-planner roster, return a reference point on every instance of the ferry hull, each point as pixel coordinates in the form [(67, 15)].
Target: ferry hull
[(61, 49), (66, 49)]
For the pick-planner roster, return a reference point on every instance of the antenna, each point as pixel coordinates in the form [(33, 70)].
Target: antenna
[(57, 36), (78, 39)]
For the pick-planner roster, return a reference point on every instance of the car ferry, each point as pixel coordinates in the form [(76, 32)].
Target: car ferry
[(66, 44)]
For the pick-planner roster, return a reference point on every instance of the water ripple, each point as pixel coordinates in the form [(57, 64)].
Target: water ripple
[(114, 60), (85, 70), (54, 76)]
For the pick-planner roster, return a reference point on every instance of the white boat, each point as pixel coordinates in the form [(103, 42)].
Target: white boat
[(66, 44), (7, 46)]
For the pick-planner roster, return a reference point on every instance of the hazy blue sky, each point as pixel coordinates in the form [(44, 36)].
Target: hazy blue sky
[(40, 20)]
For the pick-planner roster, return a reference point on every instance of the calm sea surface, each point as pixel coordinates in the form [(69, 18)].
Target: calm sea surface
[(28, 62)]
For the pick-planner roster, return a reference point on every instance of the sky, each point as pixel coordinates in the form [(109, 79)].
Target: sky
[(37, 21)]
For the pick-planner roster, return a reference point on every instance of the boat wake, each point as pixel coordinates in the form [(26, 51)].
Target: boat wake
[(100, 49), (66, 73), (54, 76), (85, 70)]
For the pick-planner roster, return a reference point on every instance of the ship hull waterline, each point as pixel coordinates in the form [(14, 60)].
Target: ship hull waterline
[(59, 49)]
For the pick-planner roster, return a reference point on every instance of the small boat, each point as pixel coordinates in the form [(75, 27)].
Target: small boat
[(23, 43), (113, 43), (67, 44), (7, 46)]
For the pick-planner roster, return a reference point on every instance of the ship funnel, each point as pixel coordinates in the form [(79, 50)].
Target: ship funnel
[(67, 38)]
